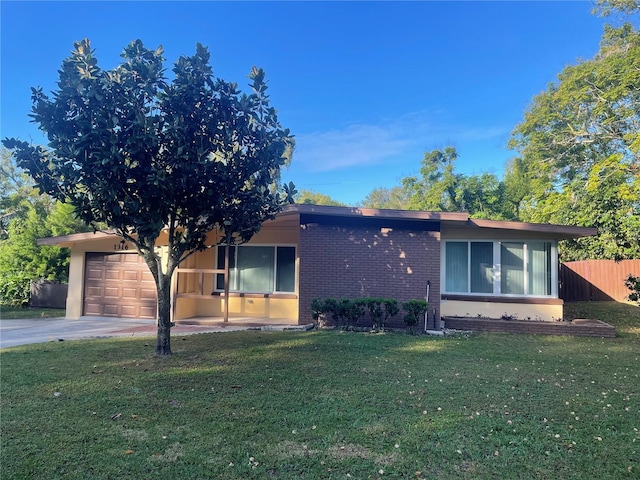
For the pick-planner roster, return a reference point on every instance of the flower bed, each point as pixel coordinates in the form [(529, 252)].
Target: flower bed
[(576, 328)]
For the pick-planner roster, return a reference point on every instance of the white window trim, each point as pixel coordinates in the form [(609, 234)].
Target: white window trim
[(497, 267), (275, 264)]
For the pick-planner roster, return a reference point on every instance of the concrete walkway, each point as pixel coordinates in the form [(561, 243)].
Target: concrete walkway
[(25, 331)]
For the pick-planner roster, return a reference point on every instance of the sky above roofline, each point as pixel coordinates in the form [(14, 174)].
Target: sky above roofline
[(366, 87)]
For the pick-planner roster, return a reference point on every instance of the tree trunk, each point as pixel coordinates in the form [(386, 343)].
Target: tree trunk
[(163, 341)]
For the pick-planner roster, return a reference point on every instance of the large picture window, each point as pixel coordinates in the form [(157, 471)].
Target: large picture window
[(258, 269), (499, 268)]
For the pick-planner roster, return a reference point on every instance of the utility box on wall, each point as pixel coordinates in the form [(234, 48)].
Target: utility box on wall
[(48, 294)]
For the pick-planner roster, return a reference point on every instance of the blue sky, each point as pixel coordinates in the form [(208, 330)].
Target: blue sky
[(366, 87)]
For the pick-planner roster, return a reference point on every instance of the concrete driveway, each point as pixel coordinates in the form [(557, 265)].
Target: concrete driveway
[(22, 332)]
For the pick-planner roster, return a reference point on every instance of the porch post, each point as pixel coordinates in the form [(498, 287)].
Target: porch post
[(226, 282), (174, 291), (226, 272)]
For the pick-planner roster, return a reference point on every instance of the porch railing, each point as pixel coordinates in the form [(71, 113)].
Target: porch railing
[(180, 274)]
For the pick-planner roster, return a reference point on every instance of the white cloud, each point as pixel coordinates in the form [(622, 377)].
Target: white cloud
[(365, 144), (355, 145)]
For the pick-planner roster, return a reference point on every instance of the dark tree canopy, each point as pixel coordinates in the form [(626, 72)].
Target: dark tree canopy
[(144, 155)]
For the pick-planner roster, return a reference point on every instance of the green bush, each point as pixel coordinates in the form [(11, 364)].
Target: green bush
[(15, 290), (328, 307), (345, 312), (375, 309), (391, 309), (415, 310), (317, 309), (352, 310), (380, 310), (633, 284)]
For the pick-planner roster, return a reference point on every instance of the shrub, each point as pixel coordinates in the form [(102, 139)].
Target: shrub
[(351, 311), (415, 312), (391, 309), (345, 313), (633, 284), (376, 311), (317, 310), (332, 307), (15, 290), (380, 310), (339, 310)]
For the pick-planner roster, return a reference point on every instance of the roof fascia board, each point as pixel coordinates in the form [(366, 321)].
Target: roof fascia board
[(68, 240), (564, 231)]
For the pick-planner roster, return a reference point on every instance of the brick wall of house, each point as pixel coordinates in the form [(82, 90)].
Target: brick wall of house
[(368, 259)]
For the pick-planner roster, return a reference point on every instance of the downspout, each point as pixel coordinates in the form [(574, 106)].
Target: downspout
[(426, 312), (226, 271)]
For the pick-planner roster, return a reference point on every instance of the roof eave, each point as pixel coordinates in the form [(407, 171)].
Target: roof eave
[(69, 240), (334, 211), (562, 232)]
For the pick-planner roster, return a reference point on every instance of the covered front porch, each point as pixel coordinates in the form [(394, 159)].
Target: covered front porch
[(250, 284)]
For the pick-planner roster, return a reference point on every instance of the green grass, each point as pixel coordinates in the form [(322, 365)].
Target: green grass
[(324, 404), (624, 316), (7, 313)]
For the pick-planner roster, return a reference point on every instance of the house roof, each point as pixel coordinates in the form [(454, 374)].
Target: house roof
[(450, 219), (332, 211)]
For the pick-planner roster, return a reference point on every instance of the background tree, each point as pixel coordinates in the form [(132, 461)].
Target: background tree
[(580, 145), (26, 217), (436, 188), (315, 198), (396, 198), (605, 8), (440, 188), (14, 190), (517, 186), (147, 156)]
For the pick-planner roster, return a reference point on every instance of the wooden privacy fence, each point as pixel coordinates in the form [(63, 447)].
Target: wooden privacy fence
[(597, 280)]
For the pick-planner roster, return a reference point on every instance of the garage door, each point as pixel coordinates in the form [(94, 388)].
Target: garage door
[(118, 285)]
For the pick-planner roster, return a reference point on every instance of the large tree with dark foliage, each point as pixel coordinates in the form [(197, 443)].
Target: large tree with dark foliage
[(580, 146), (149, 157)]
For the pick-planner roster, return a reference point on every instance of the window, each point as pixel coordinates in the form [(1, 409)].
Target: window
[(512, 272), (258, 269), (540, 277), (499, 268), (481, 267)]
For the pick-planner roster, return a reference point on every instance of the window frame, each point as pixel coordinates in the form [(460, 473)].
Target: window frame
[(234, 265), (497, 267)]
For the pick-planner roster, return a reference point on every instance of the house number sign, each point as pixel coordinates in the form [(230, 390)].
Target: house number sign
[(120, 246)]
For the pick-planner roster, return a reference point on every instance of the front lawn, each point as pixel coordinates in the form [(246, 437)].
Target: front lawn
[(625, 316), (7, 313), (323, 404)]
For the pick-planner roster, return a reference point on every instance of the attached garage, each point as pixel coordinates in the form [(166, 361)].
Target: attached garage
[(118, 285)]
